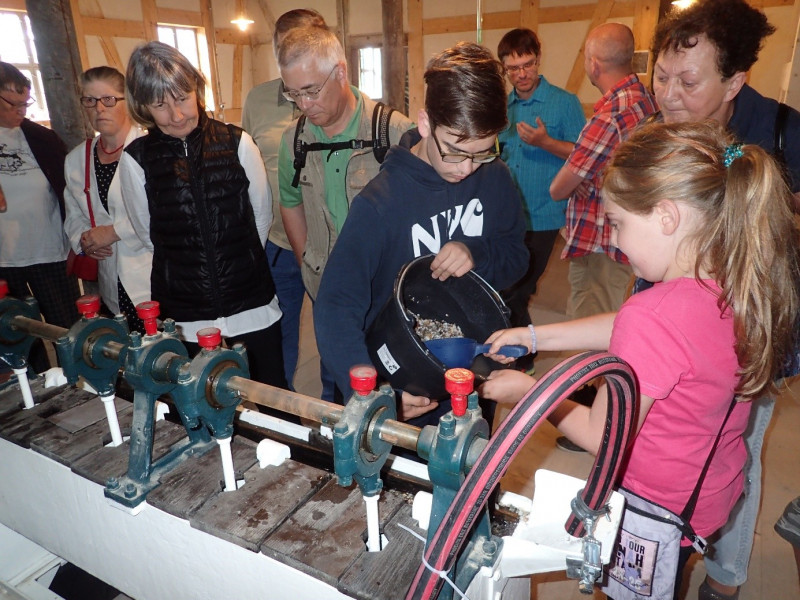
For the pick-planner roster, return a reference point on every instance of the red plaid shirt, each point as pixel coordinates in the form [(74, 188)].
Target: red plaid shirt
[(616, 115)]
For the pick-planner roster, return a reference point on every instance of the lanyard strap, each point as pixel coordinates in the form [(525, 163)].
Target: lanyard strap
[(88, 185)]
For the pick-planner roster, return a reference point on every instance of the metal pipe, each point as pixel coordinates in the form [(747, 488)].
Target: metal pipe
[(39, 328), (320, 411)]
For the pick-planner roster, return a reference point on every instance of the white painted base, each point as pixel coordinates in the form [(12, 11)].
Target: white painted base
[(152, 555)]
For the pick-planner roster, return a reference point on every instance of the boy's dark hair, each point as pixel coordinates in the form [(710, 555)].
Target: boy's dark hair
[(466, 92), (519, 42), (11, 78), (736, 29)]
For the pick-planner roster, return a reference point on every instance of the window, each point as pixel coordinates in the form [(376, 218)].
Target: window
[(191, 42), (370, 72), (16, 47)]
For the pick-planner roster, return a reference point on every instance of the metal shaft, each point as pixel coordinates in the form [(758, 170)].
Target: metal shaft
[(320, 411), (394, 432), (53, 333)]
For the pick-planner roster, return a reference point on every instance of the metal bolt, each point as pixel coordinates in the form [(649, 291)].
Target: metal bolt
[(130, 490), (136, 339), (112, 483), (447, 425)]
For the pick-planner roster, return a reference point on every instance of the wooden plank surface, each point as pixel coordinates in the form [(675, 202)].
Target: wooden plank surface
[(66, 447), (11, 396), (107, 462), (20, 426), (328, 533), (187, 487), (387, 575), (248, 515)]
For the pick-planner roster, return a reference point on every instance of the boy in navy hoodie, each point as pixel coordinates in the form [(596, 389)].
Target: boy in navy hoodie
[(440, 191)]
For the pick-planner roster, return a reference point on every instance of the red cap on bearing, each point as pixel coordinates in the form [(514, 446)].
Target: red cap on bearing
[(209, 338), (3, 288), (88, 305), (148, 312), (363, 379), (459, 383)]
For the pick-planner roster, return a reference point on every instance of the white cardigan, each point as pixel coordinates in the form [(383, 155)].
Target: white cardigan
[(131, 261)]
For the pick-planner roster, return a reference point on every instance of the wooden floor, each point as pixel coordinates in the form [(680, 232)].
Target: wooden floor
[(772, 572)]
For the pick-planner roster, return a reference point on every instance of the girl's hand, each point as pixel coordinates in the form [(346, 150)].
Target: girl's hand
[(519, 336), (506, 385)]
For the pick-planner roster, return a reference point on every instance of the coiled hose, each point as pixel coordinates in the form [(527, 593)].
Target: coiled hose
[(556, 385)]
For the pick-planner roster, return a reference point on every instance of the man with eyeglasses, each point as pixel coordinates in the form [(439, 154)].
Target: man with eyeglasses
[(544, 122), (315, 196), (33, 246), (440, 191), (315, 78), (266, 114)]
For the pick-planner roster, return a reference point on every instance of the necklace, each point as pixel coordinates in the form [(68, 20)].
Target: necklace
[(103, 148)]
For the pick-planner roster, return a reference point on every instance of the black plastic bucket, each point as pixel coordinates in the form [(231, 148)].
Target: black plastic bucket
[(398, 353)]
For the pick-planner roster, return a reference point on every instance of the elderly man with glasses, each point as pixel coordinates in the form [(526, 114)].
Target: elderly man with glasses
[(441, 191), (317, 189), (315, 205), (33, 246)]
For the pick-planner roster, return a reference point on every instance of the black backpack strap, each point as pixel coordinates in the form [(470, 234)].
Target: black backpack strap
[(379, 143), (781, 119), (299, 151), (380, 130)]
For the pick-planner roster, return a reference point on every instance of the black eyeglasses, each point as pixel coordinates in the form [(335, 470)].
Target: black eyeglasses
[(458, 157), (108, 101), (312, 93), (527, 67), (27, 104)]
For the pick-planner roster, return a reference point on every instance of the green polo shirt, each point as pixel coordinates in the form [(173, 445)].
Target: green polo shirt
[(334, 164)]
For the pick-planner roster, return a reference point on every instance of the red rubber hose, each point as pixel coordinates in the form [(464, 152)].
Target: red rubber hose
[(555, 386)]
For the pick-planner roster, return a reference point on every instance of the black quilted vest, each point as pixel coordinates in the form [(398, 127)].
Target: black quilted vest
[(208, 261)]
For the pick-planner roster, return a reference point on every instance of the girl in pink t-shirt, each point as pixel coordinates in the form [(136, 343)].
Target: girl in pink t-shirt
[(711, 220)]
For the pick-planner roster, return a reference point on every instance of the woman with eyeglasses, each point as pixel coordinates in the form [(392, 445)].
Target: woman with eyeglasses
[(33, 247), (123, 261), (197, 195)]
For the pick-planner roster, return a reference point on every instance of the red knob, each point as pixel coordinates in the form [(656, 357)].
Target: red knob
[(148, 312), (88, 305), (209, 338), (459, 383), (363, 379), (3, 288)]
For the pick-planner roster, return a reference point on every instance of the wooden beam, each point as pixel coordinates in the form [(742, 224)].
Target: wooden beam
[(149, 20), (59, 62), (92, 9), (235, 37), (238, 67), (790, 90), (171, 16), (393, 55), (80, 36), (645, 19), (207, 18), (416, 58), (529, 14), (114, 28), (601, 14)]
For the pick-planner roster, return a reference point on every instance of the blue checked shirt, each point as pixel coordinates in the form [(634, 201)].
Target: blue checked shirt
[(533, 168)]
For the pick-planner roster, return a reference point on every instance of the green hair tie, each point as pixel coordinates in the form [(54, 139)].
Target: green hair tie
[(732, 152)]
